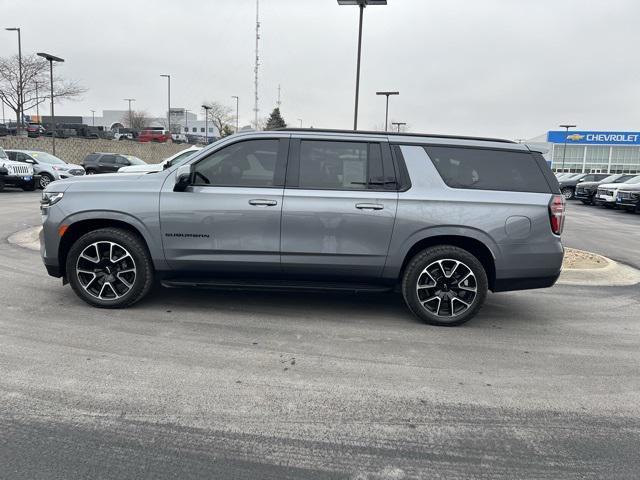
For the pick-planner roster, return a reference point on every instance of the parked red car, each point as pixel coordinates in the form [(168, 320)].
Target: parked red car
[(160, 136)]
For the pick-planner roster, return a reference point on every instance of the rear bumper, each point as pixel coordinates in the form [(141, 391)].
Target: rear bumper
[(511, 284)]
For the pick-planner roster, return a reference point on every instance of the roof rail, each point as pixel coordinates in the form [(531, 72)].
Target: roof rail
[(395, 134)]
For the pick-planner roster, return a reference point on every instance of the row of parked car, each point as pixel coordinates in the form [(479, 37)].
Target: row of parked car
[(618, 190), (31, 169)]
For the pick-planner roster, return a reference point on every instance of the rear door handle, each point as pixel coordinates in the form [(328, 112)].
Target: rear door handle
[(259, 202), (369, 206)]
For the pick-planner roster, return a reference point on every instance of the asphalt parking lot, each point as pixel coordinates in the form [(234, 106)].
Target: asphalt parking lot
[(200, 384)]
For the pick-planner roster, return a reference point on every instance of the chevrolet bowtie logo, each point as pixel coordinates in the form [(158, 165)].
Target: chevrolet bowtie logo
[(575, 137)]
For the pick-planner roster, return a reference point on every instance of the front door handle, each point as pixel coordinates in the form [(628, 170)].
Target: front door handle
[(369, 206), (259, 202)]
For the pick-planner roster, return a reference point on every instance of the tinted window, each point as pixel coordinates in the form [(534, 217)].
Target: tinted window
[(11, 155), (122, 161), (484, 169), (108, 159), (340, 165), (91, 158), (244, 164)]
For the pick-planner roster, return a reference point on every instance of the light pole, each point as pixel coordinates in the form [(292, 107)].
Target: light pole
[(564, 150), (93, 118), (398, 124), (206, 123), (386, 115), (50, 58), (20, 89), (37, 103), (300, 120), (237, 110), (130, 116), (362, 4), (168, 77), (186, 119)]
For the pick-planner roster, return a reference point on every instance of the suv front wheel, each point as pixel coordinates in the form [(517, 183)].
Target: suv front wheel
[(444, 285), (110, 268)]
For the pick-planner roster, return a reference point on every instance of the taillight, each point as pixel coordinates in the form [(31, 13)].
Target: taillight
[(556, 214)]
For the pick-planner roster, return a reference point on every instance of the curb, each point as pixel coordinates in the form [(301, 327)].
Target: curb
[(28, 238), (613, 275)]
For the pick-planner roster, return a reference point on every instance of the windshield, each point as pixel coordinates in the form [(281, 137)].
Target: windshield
[(135, 160), (633, 180), (44, 157), (3, 153), (610, 178), (179, 158)]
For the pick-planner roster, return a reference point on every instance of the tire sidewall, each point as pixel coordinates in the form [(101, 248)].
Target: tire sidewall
[(134, 245), (44, 175), (425, 258)]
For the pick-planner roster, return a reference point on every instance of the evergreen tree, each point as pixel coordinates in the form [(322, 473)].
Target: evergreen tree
[(275, 120)]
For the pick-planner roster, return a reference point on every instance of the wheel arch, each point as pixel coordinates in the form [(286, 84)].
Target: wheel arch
[(81, 226), (473, 245)]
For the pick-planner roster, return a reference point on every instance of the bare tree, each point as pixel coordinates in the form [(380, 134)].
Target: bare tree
[(35, 71), (139, 119), (221, 117)]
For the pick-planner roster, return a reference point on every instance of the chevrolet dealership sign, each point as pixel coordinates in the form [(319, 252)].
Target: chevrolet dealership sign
[(594, 138)]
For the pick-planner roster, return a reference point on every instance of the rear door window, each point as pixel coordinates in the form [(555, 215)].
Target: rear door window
[(108, 159), (487, 169), (334, 165)]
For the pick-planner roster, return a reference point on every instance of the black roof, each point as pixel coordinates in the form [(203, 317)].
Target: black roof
[(396, 134)]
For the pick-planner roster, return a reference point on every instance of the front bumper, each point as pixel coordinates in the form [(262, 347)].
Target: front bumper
[(584, 195), (605, 200), (20, 180)]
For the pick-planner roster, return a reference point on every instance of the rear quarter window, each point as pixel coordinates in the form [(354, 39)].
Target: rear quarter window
[(487, 169)]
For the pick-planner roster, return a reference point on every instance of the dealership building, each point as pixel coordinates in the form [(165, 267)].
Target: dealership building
[(592, 152)]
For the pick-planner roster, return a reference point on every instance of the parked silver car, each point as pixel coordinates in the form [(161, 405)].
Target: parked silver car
[(443, 219), (47, 166)]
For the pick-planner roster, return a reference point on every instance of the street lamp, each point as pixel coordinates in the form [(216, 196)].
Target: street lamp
[(300, 120), (20, 88), (168, 77), (186, 119), (237, 110), (564, 150), (398, 124), (93, 118), (362, 4), (130, 116), (50, 58), (386, 115), (206, 123)]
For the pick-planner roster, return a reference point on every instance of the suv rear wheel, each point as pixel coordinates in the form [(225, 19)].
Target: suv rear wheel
[(444, 285), (110, 268)]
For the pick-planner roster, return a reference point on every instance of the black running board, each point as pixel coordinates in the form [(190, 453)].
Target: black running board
[(272, 285)]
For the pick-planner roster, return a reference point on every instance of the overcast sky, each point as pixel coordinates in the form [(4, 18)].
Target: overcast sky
[(510, 68)]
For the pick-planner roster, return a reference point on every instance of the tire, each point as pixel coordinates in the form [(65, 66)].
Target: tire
[(462, 267), (45, 179), (105, 283), (90, 171), (567, 193)]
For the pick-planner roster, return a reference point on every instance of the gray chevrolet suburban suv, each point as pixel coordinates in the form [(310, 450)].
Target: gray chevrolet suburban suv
[(443, 219)]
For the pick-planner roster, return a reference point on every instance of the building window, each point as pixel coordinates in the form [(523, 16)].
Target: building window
[(210, 129), (194, 130), (201, 129), (186, 129)]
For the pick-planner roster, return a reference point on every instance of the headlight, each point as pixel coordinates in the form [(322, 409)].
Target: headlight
[(50, 198)]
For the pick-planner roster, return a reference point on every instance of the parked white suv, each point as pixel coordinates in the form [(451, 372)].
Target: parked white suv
[(607, 193), (158, 167), (16, 174)]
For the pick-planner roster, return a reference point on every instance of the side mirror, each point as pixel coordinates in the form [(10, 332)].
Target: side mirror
[(183, 178)]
